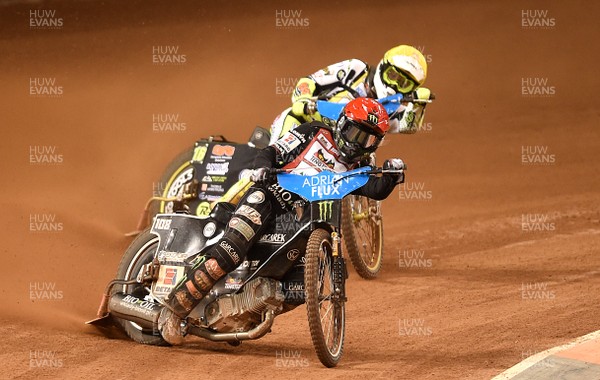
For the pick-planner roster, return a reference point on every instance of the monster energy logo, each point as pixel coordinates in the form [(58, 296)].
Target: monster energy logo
[(325, 210), (373, 118)]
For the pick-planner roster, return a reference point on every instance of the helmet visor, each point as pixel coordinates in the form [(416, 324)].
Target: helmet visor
[(397, 80), (355, 133)]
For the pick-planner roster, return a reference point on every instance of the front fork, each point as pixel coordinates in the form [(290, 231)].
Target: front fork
[(338, 270)]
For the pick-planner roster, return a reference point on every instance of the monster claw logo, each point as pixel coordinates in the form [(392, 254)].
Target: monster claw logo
[(373, 118), (325, 210)]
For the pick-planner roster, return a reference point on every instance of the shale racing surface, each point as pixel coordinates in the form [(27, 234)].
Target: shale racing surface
[(491, 246)]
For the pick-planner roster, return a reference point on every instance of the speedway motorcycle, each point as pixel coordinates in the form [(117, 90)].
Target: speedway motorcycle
[(206, 172), (282, 270)]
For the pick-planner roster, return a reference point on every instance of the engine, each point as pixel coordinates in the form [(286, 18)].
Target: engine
[(242, 311)]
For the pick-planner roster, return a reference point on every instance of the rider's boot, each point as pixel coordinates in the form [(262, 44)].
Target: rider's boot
[(186, 295)]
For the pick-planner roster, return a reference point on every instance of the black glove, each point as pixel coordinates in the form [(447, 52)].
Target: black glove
[(395, 164)]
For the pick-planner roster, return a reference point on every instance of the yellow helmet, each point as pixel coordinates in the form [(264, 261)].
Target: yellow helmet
[(402, 70)]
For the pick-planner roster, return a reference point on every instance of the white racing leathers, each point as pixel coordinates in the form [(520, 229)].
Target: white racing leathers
[(340, 83)]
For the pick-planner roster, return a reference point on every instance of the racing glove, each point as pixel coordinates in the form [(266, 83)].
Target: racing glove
[(303, 107), (261, 175), (395, 164)]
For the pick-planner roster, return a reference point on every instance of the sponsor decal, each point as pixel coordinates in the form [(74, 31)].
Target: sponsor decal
[(212, 187), (203, 209), (249, 213), (323, 185), (207, 178), (283, 197), (218, 178), (341, 74), (214, 270), (233, 282), (229, 249), (329, 163), (224, 151), (167, 278), (140, 305), (170, 276), (293, 254), (298, 135), (373, 118), (323, 140), (256, 197), (272, 238), (325, 210), (209, 229), (162, 224), (243, 228), (303, 89), (217, 168), (293, 286), (287, 143), (177, 257)]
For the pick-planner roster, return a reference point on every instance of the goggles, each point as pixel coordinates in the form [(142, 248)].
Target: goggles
[(358, 134), (397, 80)]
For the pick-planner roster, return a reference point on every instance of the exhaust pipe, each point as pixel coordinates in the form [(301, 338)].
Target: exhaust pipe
[(257, 332), (131, 308)]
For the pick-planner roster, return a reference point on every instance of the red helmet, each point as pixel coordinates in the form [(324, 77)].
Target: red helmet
[(360, 128)]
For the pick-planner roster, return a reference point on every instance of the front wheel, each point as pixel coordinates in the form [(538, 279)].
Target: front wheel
[(362, 227), (325, 308), (140, 252)]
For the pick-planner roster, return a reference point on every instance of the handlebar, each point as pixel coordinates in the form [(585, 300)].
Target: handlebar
[(374, 171)]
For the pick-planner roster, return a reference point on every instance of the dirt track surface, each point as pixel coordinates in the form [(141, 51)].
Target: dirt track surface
[(507, 253)]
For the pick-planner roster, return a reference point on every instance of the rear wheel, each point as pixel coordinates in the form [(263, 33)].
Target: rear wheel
[(362, 228), (326, 311), (140, 252)]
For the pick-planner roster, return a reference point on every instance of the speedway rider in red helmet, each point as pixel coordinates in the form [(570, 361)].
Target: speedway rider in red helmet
[(402, 70), (308, 149)]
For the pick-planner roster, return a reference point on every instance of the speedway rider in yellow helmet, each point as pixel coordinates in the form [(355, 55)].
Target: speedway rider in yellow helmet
[(403, 69)]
